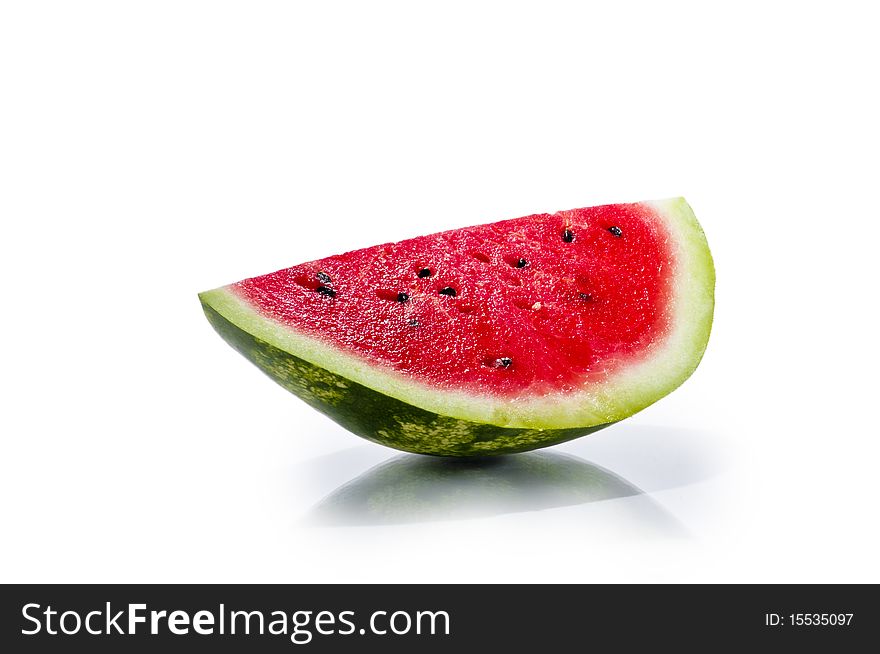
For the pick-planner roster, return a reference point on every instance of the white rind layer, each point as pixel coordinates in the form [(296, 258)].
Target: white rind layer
[(631, 388)]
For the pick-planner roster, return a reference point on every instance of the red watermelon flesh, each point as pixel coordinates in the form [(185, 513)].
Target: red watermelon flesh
[(540, 302)]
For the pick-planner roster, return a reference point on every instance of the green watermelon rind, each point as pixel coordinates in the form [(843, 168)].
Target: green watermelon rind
[(379, 417), (414, 417)]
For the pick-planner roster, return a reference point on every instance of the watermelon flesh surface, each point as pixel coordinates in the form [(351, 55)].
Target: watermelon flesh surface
[(540, 303), (548, 323)]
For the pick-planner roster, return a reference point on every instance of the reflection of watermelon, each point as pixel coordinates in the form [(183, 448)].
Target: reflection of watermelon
[(490, 339)]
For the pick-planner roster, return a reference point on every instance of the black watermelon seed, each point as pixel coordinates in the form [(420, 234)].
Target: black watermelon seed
[(402, 297), (326, 290), (585, 296), (448, 291), (568, 236), (504, 362), (324, 278), (425, 272), (616, 231), (522, 263), (413, 322)]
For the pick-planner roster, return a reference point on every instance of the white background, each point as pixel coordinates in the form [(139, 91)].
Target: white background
[(152, 150)]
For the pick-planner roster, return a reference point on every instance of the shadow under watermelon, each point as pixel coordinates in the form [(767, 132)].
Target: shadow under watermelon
[(411, 488)]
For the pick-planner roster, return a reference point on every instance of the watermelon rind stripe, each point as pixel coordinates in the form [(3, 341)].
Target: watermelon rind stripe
[(381, 418)]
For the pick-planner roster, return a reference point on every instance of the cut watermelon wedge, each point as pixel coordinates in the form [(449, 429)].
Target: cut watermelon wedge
[(490, 339)]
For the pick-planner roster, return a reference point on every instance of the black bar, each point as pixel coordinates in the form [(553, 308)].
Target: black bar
[(513, 617)]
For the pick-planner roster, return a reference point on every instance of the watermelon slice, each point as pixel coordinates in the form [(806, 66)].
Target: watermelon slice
[(490, 339)]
